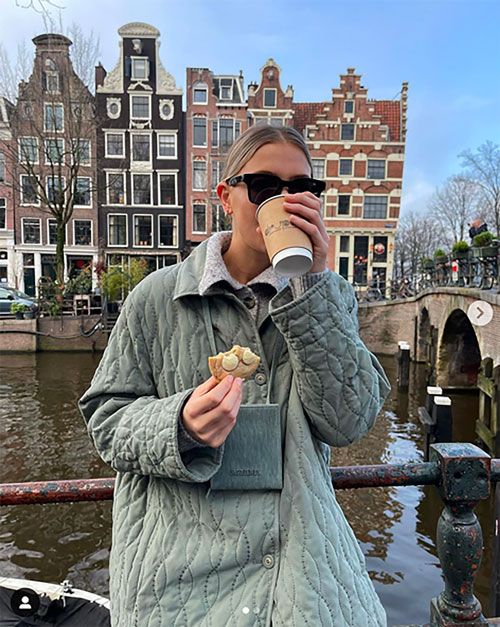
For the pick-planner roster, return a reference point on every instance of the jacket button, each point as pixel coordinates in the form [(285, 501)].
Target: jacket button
[(268, 561), (260, 378), (250, 302)]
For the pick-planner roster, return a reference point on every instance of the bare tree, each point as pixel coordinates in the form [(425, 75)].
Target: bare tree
[(13, 70), (416, 238), (453, 206), (483, 165)]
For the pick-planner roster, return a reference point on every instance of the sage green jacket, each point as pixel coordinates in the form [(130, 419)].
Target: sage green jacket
[(183, 555)]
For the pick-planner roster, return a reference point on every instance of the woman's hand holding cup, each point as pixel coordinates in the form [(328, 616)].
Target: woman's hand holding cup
[(210, 413)]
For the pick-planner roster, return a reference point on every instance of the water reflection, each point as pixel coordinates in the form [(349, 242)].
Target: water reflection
[(43, 436)]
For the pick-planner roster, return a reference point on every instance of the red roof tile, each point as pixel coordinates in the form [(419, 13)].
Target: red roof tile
[(389, 111), (305, 113)]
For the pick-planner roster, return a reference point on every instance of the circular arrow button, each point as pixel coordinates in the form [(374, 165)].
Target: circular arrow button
[(480, 313)]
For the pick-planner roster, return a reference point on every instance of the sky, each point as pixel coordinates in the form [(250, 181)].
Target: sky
[(447, 50)]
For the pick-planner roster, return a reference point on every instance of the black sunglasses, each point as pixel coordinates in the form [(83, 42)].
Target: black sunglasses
[(260, 187)]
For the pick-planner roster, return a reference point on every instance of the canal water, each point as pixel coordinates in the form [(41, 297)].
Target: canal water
[(43, 436)]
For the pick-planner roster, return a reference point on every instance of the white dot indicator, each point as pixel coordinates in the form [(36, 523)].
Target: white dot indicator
[(245, 610)]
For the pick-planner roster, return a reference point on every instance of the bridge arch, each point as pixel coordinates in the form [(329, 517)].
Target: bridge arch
[(459, 357), (424, 335)]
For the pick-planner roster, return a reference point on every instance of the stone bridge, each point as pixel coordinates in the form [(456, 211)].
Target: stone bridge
[(436, 325)]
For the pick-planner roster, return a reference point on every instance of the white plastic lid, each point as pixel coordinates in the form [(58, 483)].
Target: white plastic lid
[(442, 400), (434, 389), (293, 261)]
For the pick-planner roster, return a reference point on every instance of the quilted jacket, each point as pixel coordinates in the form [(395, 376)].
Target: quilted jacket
[(184, 555)]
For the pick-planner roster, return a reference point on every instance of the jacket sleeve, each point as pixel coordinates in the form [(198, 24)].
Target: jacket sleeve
[(132, 429), (341, 384)]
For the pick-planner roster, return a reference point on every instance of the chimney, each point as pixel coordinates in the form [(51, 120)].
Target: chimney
[(100, 75)]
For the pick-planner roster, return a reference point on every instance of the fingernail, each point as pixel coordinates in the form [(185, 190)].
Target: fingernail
[(230, 378)]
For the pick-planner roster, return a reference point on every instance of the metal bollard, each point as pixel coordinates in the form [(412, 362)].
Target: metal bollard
[(403, 365), (427, 419), (442, 418)]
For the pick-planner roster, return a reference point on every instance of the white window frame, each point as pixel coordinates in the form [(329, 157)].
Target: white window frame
[(106, 153), (136, 134), (90, 190), (176, 230), (173, 173), (133, 175), (199, 86), (387, 208), (114, 213), (21, 160), (378, 178), (198, 189), (53, 139), (3, 166), (168, 133), (5, 209), (50, 176), (134, 78), (351, 159), (353, 106), (52, 74), (114, 173), (201, 117), (139, 215), (52, 104), (49, 220), (21, 193), (80, 139), (39, 220), (91, 231), (267, 89), (131, 104), (198, 202), (323, 160), (231, 88), (343, 215), (347, 141)]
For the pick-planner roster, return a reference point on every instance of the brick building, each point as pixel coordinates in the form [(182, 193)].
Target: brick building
[(215, 117), (358, 147), (6, 195), (267, 102), (141, 154), (54, 132)]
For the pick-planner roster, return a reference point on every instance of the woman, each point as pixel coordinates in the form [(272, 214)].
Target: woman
[(186, 554)]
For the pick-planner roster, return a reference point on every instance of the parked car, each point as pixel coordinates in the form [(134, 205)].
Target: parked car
[(9, 295)]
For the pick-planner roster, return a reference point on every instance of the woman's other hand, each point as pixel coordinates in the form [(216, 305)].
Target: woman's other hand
[(211, 411)]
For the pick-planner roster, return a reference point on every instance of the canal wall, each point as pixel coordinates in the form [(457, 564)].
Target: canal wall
[(67, 333)]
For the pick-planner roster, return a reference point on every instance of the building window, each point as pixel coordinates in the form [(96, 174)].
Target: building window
[(117, 229), (3, 214), (229, 130), (140, 69), (28, 150), (168, 189), (216, 173), (167, 145), (199, 218), (345, 167), (167, 230), (52, 232), (380, 249), (199, 131), (2, 167), (199, 175), (269, 97), (140, 107), (347, 131), (349, 106), (54, 151), (113, 107), (82, 192), (55, 190), (344, 205), (115, 185), (344, 243), (375, 169), (82, 232), (274, 121), (344, 267), (81, 151), (360, 259), (143, 230), (115, 145), (141, 189), (166, 108), (200, 94), (31, 230), (54, 117), (29, 190), (375, 207), (318, 169), (141, 147)]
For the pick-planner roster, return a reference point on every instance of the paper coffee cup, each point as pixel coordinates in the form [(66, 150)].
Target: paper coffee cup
[(288, 247)]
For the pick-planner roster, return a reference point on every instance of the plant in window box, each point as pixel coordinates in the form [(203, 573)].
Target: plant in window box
[(461, 250), (484, 245), (18, 310), (440, 257)]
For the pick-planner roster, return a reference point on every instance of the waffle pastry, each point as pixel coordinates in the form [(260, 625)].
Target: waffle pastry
[(240, 362)]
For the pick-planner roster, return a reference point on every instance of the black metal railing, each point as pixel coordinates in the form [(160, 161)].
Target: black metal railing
[(463, 474)]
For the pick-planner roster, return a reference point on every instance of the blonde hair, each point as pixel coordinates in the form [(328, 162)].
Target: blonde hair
[(254, 138)]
